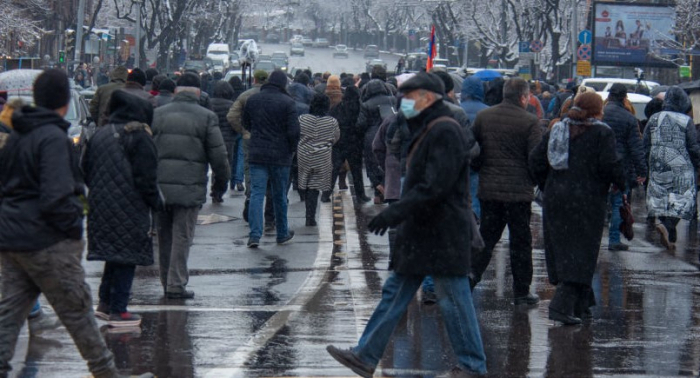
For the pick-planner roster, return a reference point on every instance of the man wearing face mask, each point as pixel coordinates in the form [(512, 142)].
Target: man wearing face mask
[(435, 191)]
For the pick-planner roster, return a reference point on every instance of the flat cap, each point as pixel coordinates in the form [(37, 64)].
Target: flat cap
[(423, 80)]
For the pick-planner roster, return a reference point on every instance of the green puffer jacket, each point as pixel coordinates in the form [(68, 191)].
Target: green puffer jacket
[(189, 140)]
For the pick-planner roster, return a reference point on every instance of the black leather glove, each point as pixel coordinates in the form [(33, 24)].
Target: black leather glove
[(379, 224)]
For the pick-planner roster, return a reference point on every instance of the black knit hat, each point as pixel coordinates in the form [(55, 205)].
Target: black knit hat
[(52, 89), (278, 79), (137, 75), (618, 91), (447, 80), (423, 80)]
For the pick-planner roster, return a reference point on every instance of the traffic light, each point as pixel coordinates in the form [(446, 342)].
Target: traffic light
[(70, 42), (61, 56)]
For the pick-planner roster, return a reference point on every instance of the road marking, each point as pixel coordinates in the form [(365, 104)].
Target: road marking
[(304, 294), (159, 308)]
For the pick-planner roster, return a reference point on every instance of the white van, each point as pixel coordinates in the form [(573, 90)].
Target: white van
[(602, 84), (219, 51)]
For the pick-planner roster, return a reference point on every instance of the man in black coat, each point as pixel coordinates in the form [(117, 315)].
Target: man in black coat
[(436, 191), (629, 148), (41, 227), (271, 118)]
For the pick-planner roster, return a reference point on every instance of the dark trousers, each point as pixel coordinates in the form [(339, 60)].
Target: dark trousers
[(58, 273), (572, 298), (175, 234), (374, 170), (670, 223), (311, 204), (354, 159), (115, 287), (495, 216)]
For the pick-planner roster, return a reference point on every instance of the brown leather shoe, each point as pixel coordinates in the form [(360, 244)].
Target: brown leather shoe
[(349, 359)]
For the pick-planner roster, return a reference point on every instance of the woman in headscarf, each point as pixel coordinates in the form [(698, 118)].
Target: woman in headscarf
[(673, 154), (574, 166), (333, 90), (120, 164), (319, 132)]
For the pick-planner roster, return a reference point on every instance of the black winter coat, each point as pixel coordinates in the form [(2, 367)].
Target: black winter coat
[(628, 139), (434, 235), (221, 106), (272, 120), (347, 112), (375, 96), (121, 175), (575, 202), (41, 183)]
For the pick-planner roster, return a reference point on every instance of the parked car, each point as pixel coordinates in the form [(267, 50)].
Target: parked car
[(297, 49), (371, 51), (272, 38), (341, 51), (601, 84), (296, 38), (374, 63), (199, 66), (232, 73), (321, 43), (265, 65), (235, 64), (281, 55), (217, 66), (307, 42), (280, 63)]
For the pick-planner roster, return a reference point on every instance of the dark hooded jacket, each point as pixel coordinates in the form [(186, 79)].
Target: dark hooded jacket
[(120, 165), (436, 189), (629, 140), (346, 113), (41, 183), (220, 103), (302, 96), (375, 96), (272, 120), (472, 100)]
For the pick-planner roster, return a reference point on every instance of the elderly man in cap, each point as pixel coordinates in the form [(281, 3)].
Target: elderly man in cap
[(436, 191)]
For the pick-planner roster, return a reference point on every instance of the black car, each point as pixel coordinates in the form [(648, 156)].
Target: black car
[(272, 38)]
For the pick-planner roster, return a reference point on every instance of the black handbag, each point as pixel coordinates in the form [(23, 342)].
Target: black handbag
[(627, 219)]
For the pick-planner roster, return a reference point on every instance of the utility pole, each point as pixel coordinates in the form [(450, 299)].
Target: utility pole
[(79, 31), (137, 55), (574, 36)]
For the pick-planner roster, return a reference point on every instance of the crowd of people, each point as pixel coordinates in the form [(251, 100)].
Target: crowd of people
[(451, 166)]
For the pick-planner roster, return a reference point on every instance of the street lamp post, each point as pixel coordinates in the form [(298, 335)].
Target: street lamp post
[(79, 31), (137, 55)]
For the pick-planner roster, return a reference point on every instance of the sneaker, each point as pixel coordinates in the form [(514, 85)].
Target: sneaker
[(618, 247), (363, 199), (287, 239), (663, 232), (529, 299), (270, 228), (349, 359), (187, 294), (42, 323), (102, 311), (342, 185), (240, 187), (125, 319), (429, 297), (253, 243)]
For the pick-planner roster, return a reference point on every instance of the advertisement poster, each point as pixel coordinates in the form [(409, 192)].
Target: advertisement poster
[(627, 34)]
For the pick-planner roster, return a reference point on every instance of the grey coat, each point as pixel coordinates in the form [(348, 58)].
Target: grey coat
[(189, 140)]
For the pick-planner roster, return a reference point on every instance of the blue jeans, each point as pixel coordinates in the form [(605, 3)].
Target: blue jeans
[(455, 301), (237, 161), (428, 284), (35, 310), (615, 218), (279, 177)]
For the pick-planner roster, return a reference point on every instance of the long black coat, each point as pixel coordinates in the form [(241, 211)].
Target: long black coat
[(575, 202), (434, 235), (121, 175)]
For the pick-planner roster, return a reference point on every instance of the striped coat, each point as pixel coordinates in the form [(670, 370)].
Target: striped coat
[(318, 135)]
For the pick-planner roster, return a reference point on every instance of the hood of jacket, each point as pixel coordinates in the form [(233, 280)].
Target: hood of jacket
[(676, 100), (29, 118), (300, 93), (375, 87), (125, 107), (472, 89)]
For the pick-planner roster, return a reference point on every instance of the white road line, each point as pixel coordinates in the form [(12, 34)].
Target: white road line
[(159, 308), (306, 291)]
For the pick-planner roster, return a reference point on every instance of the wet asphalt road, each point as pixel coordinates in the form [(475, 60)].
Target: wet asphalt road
[(271, 312)]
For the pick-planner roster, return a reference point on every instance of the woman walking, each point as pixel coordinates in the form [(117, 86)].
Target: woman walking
[(673, 154), (574, 165), (319, 132), (120, 165), (221, 102)]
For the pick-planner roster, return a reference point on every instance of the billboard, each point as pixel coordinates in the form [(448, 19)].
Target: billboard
[(632, 34)]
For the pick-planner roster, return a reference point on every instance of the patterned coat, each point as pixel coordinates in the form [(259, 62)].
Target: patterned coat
[(318, 135)]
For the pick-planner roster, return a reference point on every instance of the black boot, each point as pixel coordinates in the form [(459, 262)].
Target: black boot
[(245, 209), (302, 195), (311, 204), (326, 197)]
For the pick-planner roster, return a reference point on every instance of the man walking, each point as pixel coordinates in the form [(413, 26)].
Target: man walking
[(188, 140), (507, 133), (629, 147), (99, 105), (41, 227), (271, 118), (436, 191)]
